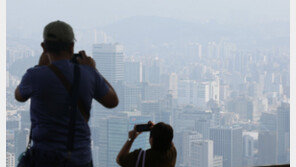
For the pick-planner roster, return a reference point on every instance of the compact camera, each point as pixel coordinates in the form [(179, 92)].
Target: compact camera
[(75, 56)]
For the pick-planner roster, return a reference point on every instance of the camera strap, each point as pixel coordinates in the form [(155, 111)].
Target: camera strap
[(68, 86), (75, 103)]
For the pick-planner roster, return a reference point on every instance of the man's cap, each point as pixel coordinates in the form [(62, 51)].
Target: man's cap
[(58, 31)]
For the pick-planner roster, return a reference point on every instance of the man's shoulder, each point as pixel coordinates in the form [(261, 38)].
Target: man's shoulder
[(37, 69), (87, 68)]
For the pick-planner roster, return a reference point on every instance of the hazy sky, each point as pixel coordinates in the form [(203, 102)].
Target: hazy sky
[(31, 14)]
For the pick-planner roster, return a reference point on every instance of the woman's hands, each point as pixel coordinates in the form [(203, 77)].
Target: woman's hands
[(133, 134)]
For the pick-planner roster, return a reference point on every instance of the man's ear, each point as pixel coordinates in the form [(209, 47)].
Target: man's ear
[(72, 48), (43, 47)]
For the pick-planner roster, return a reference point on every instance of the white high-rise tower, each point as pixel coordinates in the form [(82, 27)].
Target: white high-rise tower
[(109, 61)]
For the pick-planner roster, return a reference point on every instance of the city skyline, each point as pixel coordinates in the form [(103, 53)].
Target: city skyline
[(224, 88)]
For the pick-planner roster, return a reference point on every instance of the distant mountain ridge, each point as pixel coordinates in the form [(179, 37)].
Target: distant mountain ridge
[(155, 30)]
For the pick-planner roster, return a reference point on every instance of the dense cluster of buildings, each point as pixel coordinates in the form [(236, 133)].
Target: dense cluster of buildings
[(228, 107)]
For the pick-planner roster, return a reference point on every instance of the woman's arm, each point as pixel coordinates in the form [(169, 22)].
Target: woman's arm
[(128, 144)]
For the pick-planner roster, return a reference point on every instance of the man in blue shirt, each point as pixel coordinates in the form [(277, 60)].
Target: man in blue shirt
[(50, 100)]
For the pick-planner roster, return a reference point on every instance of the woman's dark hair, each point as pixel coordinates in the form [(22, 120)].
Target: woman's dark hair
[(162, 135), (57, 47)]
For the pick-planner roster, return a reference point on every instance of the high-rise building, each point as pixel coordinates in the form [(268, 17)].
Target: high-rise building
[(215, 90), (101, 141), (203, 94), (228, 143), (150, 108), (132, 72), (13, 122), (95, 155), (248, 150), (283, 133), (10, 159), (268, 121), (21, 138), (173, 85), (109, 61), (193, 52), (152, 91), (202, 126), (201, 153), (187, 138), (243, 106), (218, 161), (267, 148), (131, 96), (151, 71), (213, 50), (117, 133), (188, 92)]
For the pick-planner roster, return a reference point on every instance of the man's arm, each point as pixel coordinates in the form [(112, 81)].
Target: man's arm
[(17, 95), (110, 100)]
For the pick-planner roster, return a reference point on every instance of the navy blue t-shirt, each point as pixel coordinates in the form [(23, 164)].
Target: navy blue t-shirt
[(50, 102)]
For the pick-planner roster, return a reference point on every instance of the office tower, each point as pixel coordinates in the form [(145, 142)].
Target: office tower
[(283, 133), (151, 71), (202, 126), (132, 96), (10, 159), (95, 155), (224, 92), (267, 148), (228, 143), (214, 91), (13, 122), (117, 134), (240, 62), (149, 107), (193, 52), (184, 91), (243, 106), (173, 85), (201, 153), (203, 94), (248, 150), (213, 50), (268, 121), (187, 92), (21, 138), (218, 161), (25, 119), (187, 138), (109, 61), (178, 142), (260, 105), (190, 115), (132, 72), (152, 91), (101, 141)]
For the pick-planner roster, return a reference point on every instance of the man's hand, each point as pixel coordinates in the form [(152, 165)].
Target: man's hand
[(43, 60), (86, 60)]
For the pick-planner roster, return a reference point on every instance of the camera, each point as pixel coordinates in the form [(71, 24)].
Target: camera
[(75, 56), (143, 127)]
